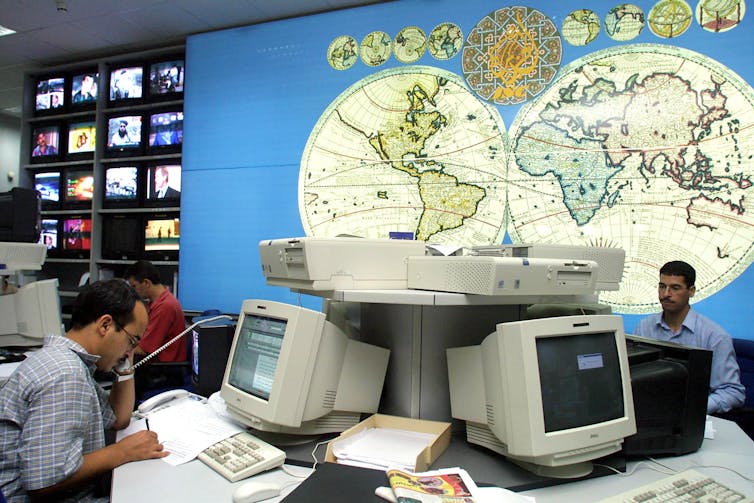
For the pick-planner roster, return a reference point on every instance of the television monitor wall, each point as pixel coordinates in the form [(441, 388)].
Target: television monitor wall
[(84, 88), (121, 237), (46, 140), (162, 234), (126, 83), (49, 234), (82, 137), (47, 183), (77, 234), (124, 132), (79, 185), (166, 77), (121, 184), (164, 182), (166, 129), (50, 94)]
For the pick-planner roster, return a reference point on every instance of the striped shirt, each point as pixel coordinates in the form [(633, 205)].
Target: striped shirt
[(52, 412)]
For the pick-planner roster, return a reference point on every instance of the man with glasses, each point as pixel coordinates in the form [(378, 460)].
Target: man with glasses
[(54, 415), (680, 324)]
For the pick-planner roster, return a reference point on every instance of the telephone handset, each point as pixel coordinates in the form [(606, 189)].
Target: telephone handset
[(151, 403)]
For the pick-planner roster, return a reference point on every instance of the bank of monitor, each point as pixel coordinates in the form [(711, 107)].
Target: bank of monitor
[(30, 314), (292, 372), (550, 394)]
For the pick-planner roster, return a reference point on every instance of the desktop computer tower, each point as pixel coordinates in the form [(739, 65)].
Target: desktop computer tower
[(210, 349), (19, 215)]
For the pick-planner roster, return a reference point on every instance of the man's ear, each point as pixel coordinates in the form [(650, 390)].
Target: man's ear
[(692, 290), (103, 323)]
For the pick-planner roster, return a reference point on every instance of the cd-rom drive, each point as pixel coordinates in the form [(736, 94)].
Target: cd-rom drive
[(483, 275)]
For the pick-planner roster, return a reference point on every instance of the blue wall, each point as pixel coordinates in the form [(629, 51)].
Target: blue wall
[(253, 95)]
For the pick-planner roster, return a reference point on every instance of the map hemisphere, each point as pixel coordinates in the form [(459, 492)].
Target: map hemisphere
[(406, 150), (643, 147)]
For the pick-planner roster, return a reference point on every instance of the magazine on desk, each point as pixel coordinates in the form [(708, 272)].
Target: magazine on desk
[(448, 485)]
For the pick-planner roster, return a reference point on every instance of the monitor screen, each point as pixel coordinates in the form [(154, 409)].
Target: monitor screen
[(48, 235), (123, 133), (163, 183), (126, 83), (81, 137), (50, 93), (79, 185), (47, 183), (77, 234), (166, 77), (166, 129), (121, 237), (551, 394), (84, 88), (283, 362), (121, 185), (46, 141), (162, 236)]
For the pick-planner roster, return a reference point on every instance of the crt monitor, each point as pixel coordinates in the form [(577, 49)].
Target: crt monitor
[(50, 93), (30, 314), (551, 394), (47, 183), (291, 371), (123, 135), (121, 186), (670, 387), (84, 88), (82, 137)]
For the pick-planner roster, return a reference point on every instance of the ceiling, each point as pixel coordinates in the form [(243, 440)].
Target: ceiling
[(53, 32)]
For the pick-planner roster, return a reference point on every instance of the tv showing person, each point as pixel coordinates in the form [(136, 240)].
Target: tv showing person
[(124, 132), (85, 88), (44, 145), (162, 187)]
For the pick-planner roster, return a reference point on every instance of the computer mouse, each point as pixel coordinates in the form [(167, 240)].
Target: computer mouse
[(253, 491)]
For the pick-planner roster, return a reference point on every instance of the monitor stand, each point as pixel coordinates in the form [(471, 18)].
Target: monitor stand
[(572, 471)]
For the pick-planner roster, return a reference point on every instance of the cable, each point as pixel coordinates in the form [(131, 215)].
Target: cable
[(171, 341)]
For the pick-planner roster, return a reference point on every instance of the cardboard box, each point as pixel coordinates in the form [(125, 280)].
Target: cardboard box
[(425, 458)]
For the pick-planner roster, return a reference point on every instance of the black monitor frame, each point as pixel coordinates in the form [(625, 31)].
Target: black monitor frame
[(158, 89), (152, 143), (90, 138), (114, 201), (150, 199), (122, 94), (163, 253), (122, 236), (43, 80), (55, 173), (65, 237), (130, 149), (47, 129), (83, 101), (73, 203)]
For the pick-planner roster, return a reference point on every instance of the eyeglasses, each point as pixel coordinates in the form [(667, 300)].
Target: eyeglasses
[(132, 339)]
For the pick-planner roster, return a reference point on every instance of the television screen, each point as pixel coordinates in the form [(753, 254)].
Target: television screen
[(46, 140), (166, 77), (121, 237), (47, 183), (124, 133), (121, 185), (77, 234), (79, 185), (162, 234), (50, 93), (166, 129), (164, 183), (84, 88), (49, 233), (125, 83), (81, 137)]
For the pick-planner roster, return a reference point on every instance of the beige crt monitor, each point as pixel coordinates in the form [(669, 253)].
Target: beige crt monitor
[(30, 314), (551, 394), (291, 371)]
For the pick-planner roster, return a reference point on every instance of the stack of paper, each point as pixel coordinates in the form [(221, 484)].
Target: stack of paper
[(380, 448)]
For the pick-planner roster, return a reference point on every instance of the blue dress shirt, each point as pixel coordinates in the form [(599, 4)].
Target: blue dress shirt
[(726, 390)]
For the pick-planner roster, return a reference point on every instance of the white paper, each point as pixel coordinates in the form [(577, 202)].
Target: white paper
[(382, 447)]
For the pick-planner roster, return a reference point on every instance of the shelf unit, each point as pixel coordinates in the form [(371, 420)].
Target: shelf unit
[(70, 269)]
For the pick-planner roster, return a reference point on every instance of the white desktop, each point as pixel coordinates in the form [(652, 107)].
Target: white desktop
[(551, 394), (340, 263), (291, 371), (30, 314)]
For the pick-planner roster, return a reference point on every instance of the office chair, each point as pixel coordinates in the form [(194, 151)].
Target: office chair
[(744, 416)]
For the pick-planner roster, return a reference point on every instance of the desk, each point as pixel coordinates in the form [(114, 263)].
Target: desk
[(155, 480)]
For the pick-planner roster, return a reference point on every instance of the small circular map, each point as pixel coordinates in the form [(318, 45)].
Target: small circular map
[(645, 147), (669, 18), (624, 22), (376, 48), (406, 150), (580, 27), (445, 41), (410, 44), (511, 55), (343, 52), (720, 15)]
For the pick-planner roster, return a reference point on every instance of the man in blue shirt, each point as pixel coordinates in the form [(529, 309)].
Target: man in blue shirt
[(678, 323)]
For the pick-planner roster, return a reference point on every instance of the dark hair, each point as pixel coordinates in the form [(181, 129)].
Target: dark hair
[(679, 268), (114, 297), (143, 269)]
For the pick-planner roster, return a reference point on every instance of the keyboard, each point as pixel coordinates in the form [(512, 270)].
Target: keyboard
[(690, 486), (241, 455)]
